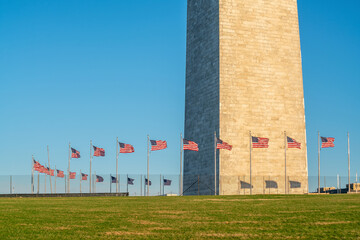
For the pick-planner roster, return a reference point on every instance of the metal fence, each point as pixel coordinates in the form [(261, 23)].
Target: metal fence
[(193, 185)]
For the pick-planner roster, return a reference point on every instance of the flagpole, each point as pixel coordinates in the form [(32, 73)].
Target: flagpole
[(127, 183), (148, 181), (95, 179), (110, 182), (141, 192), (55, 173), (318, 162), (215, 161), (68, 190), (65, 183), (90, 167), (45, 181), (163, 186), (250, 162), (80, 180), (349, 161), (285, 140), (160, 185), (49, 168), (356, 180), (117, 159), (181, 158), (38, 184), (32, 174)]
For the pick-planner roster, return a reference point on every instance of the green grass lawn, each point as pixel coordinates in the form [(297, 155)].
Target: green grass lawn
[(196, 217)]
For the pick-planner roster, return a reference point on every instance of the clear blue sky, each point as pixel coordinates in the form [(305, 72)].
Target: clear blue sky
[(80, 70)]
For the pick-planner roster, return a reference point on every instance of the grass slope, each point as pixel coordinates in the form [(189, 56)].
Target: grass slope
[(196, 217)]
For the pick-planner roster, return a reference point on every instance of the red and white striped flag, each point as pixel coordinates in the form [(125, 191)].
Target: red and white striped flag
[(292, 143), (220, 144), (158, 145), (72, 175), (258, 142), (75, 153), (126, 148), (84, 176), (327, 142), (99, 152), (190, 145), (60, 173)]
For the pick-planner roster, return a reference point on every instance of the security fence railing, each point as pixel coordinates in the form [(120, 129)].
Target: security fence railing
[(169, 184)]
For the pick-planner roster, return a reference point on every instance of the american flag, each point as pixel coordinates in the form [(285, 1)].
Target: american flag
[(42, 169), (51, 172), (99, 152), (190, 145), (130, 181), (99, 178), (60, 173), (292, 143), (37, 166), (84, 176), (126, 148), (158, 145), (222, 145), (113, 179), (258, 142), (47, 171), (167, 182), (72, 175), (75, 153), (327, 142), (146, 182)]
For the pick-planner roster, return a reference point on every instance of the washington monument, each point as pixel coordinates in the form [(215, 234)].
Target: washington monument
[(244, 74)]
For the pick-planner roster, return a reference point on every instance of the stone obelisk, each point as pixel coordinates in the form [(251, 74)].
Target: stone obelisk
[(244, 73)]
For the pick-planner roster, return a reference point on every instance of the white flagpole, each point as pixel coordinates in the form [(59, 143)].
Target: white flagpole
[(181, 164), (148, 180), (215, 163), (55, 173), (356, 182), (250, 162), (80, 180), (127, 183), (349, 188), (38, 184), (318, 162), (90, 167), (45, 181), (117, 159), (68, 190), (285, 141), (32, 174), (49, 168)]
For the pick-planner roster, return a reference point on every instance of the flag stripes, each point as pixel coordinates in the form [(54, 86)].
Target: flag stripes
[(99, 152), (126, 148), (292, 143), (190, 145), (220, 144), (158, 145), (327, 142), (75, 153), (258, 142)]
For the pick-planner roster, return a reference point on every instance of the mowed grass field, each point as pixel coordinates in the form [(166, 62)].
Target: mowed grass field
[(193, 217)]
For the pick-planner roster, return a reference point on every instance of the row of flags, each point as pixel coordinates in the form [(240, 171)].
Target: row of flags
[(257, 142), (84, 177)]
